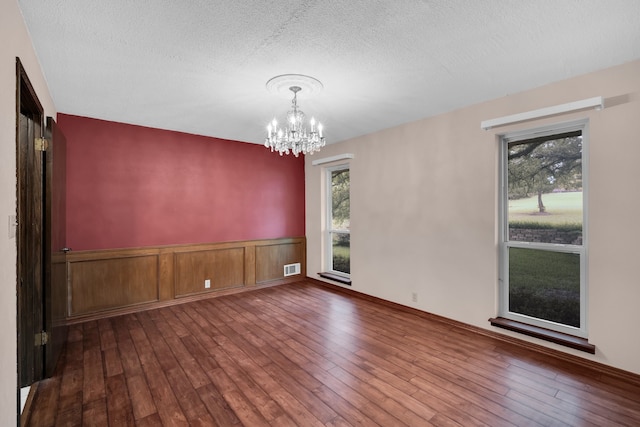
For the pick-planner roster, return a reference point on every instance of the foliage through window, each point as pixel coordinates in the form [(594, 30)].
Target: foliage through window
[(338, 241), (542, 241)]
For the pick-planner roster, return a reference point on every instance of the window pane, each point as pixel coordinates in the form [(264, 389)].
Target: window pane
[(340, 206), (545, 189), (545, 285), (341, 252)]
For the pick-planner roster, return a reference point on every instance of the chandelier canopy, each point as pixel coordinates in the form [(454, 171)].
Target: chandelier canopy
[(295, 138)]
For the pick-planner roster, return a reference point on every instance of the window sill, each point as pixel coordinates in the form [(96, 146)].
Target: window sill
[(544, 334), (336, 278)]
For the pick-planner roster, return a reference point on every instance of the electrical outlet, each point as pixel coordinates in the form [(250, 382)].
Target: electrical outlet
[(414, 296), (207, 284)]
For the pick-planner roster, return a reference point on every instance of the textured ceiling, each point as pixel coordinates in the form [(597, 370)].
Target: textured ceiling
[(200, 66)]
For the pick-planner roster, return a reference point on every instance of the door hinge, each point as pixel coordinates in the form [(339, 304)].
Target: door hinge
[(41, 144), (42, 338)]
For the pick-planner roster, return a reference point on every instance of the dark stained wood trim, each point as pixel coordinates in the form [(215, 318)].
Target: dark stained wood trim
[(270, 260), (164, 282), (146, 250), (31, 101), (540, 349), (336, 278), (32, 265), (224, 268), (113, 282), (168, 303), (544, 334), (250, 265)]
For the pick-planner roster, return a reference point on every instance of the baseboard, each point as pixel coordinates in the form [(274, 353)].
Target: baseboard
[(565, 357)]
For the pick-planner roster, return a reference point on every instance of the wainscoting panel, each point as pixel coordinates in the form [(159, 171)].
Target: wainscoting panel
[(167, 276), (271, 259), (224, 268), (103, 283)]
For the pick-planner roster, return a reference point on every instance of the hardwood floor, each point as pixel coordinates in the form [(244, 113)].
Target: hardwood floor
[(304, 355)]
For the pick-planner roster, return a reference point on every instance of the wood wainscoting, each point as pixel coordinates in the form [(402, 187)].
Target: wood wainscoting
[(102, 283)]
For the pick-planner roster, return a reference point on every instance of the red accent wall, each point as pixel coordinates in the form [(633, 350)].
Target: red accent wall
[(132, 186)]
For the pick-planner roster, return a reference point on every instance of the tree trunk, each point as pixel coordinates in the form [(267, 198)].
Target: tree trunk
[(541, 207)]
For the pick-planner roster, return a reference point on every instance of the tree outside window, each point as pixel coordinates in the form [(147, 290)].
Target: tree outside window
[(339, 220), (542, 251)]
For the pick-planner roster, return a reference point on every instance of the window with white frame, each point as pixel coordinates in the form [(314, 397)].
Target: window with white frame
[(542, 228), (337, 243)]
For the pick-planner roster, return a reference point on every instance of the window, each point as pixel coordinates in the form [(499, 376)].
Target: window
[(542, 241), (337, 241)]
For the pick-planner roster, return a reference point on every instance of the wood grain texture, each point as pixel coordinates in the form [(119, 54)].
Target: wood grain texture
[(33, 265), (607, 370), (167, 276), (223, 267), (55, 243), (545, 334), (271, 259), (306, 355), (105, 284), (250, 265)]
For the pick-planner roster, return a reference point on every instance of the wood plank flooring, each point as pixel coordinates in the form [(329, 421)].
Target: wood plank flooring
[(304, 355)]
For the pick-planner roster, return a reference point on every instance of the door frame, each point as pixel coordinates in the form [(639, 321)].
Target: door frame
[(30, 246), (55, 250)]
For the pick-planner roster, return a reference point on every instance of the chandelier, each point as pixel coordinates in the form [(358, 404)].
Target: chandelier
[(295, 138)]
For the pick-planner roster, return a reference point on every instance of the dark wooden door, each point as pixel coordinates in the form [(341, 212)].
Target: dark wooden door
[(41, 251), (30, 232), (55, 283)]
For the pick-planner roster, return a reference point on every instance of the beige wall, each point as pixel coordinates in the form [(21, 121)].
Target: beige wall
[(424, 210), (15, 43)]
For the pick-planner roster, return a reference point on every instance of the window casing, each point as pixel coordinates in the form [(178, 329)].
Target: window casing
[(543, 239), (337, 235)]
